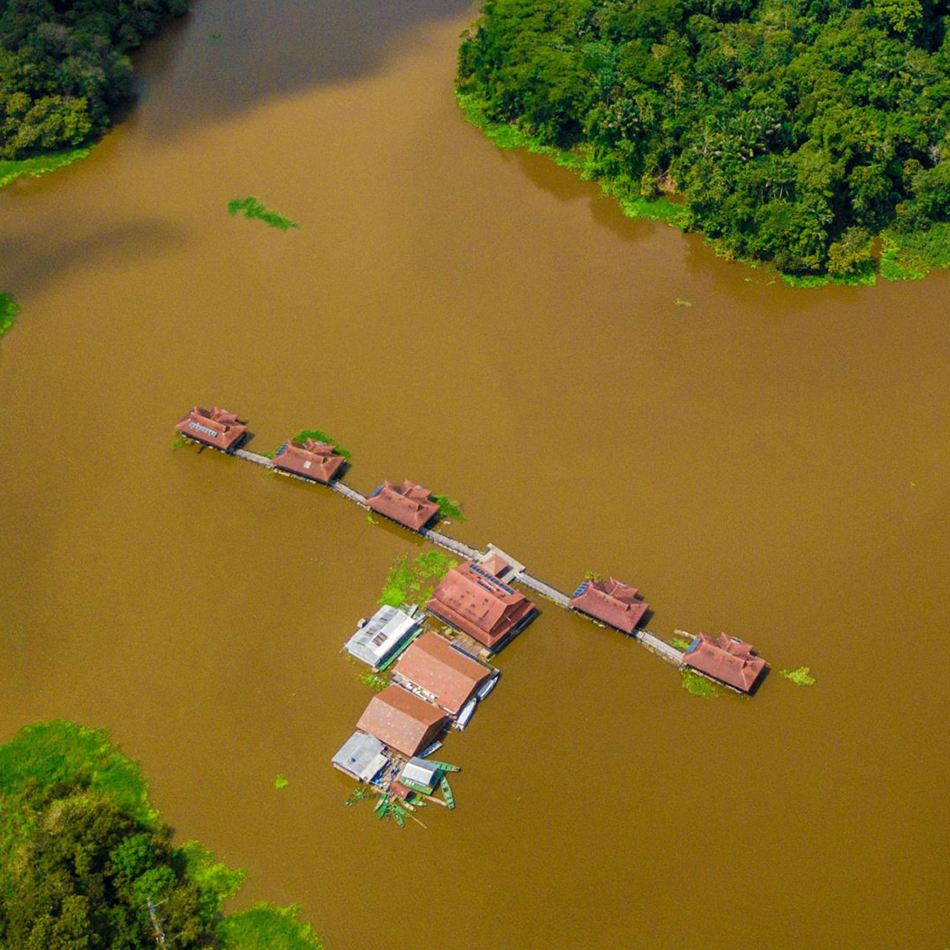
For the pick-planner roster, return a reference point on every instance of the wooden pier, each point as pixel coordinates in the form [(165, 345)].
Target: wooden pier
[(654, 644)]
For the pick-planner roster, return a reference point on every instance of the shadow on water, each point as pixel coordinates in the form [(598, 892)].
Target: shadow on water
[(229, 55), (32, 260)]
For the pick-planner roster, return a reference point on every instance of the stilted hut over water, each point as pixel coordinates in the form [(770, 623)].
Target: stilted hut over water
[(310, 459), (611, 602), (729, 660), (216, 427), (408, 504), (477, 602)]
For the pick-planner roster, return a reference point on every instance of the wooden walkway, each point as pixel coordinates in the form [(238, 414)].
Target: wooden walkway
[(651, 642)]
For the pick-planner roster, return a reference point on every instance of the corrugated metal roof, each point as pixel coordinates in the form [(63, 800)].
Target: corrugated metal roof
[(421, 772), (361, 756), (384, 632)]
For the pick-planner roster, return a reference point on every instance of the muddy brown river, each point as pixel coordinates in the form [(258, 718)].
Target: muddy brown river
[(767, 461)]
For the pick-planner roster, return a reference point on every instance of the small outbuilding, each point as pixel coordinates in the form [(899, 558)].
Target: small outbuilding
[(381, 637), (729, 660), (310, 459), (402, 721), (215, 427), (611, 602), (475, 601), (361, 756), (420, 775), (408, 504), (442, 674)]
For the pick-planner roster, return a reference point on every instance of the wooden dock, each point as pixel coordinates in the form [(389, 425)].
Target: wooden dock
[(654, 644)]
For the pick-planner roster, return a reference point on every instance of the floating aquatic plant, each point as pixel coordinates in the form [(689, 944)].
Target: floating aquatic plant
[(180, 441), (449, 508), (697, 685), (377, 681), (280, 782), (254, 208), (592, 576), (682, 303), (800, 677), (411, 581), (681, 643), (9, 310), (318, 435)]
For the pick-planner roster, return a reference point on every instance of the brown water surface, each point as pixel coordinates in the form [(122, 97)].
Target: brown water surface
[(767, 461)]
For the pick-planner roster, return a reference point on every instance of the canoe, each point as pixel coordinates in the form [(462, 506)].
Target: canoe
[(444, 766), (447, 792)]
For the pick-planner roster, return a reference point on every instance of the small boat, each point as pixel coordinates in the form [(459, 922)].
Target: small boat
[(445, 767), (432, 748), (468, 710), (447, 792), (487, 687)]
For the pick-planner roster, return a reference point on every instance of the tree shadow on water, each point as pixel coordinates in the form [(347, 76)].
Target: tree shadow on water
[(229, 55)]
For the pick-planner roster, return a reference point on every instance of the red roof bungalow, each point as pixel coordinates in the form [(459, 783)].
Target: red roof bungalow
[(476, 602), (449, 677), (310, 459), (214, 427), (409, 504), (611, 602), (402, 721), (726, 659)]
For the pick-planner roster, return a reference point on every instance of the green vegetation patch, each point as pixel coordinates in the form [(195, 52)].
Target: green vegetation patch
[(792, 134), (318, 435), (9, 311), (12, 169), (281, 782), (376, 681), (263, 927), (449, 508), (697, 685), (255, 209), (412, 581), (681, 643), (800, 677), (59, 753)]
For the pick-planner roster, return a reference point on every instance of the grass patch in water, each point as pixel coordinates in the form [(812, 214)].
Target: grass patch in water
[(12, 169), (255, 209), (280, 782), (800, 677), (63, 753), (412, 581), (697, 685), (449, 508), (318, 435), (263, 927), (9, 311)]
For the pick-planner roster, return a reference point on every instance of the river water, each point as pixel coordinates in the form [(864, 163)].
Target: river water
[(767, 461)]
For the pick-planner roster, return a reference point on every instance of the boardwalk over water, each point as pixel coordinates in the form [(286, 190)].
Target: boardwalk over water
[(653, 643)]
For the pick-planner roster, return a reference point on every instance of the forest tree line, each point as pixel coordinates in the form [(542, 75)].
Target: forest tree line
[(795, 131), (64, 67)]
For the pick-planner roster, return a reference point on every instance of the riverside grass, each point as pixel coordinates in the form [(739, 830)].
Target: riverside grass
[(12, 169), (255, 209), (902, 257), (263, 927), (9, 311)]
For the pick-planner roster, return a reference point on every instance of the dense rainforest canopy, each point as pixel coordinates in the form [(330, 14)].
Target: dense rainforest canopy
[(64, 68), (794, 130), (83, 855)]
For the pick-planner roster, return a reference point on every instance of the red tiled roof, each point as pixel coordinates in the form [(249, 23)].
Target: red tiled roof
[(311, 459), (409, 504), (477, 603), (436, 667), (612, 602), (400, 720), (213, 427), (726, 659)]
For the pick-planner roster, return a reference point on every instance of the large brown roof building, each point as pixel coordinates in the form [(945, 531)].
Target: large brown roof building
[(309, 459), (402, 721), (727, 659), (476, 602), (611, 602), (443, 673), (214, 427), (409, 504)]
